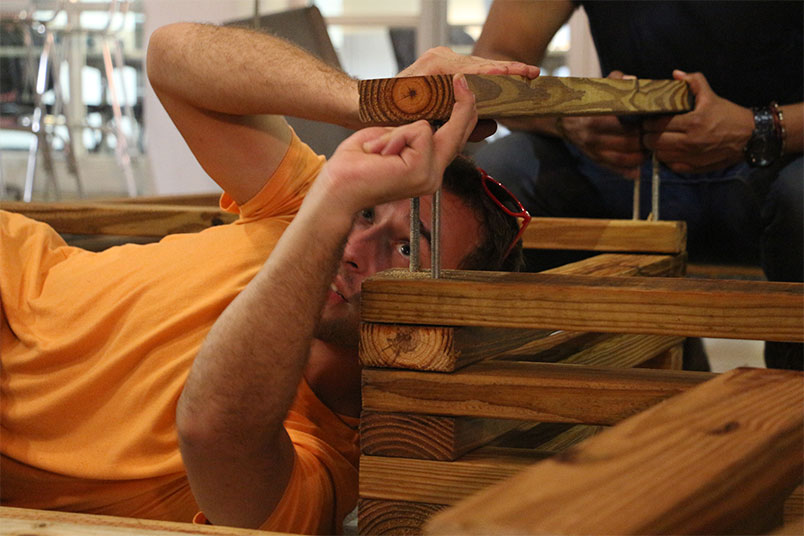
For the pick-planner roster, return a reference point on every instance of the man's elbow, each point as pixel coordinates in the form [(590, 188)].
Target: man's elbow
[(163, 45)]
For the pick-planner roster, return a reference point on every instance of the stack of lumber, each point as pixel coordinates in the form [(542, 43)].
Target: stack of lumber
[(472, 378)]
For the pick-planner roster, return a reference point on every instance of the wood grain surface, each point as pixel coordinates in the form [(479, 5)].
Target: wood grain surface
[(445, 349), (121, 219), (718, 459), (31, 522), (381, 517), (653, 305), (627, 236), (542, 392), (427, 437), (392, 101)]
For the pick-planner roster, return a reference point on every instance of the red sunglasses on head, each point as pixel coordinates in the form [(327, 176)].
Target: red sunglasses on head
[(509, 204)]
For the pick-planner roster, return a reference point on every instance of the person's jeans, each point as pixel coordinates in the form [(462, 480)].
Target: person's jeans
[(737, 215)]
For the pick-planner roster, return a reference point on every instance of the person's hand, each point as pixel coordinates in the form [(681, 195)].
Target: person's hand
[(606, 140), (442, 60), (710, 137), (377, 165)]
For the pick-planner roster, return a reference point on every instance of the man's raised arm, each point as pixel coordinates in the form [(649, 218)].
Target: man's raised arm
[(225, 89)]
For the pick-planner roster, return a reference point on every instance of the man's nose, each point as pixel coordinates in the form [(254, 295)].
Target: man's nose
[(359, 252)]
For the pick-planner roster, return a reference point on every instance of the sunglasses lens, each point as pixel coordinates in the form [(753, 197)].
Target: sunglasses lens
[(504, 197)]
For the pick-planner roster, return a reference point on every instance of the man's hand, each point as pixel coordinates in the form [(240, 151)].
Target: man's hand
[(606, 140), (377, 165), (710, 137), (442, 60)]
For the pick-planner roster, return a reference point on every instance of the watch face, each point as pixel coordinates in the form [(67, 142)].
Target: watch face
[(765, 146), (763, 150)]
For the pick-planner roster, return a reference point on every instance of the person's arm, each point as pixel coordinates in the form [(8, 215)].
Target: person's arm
[(230, 414), (226, 89), (713, 135)]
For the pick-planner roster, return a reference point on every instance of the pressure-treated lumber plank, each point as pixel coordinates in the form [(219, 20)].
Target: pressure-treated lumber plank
[(31, 522), (427, 437), (543, 392), (447, 438), (447, 482), (635, 236), (437, 348), (438, 482), (718, 459), (441, 348), (601, 349), (121, 219), (657, 305), (196, 200), (400, 100), (381, 517), (624, 264), (794, 505)]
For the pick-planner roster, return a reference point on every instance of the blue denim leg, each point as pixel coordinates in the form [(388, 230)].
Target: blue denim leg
[(783, 249)]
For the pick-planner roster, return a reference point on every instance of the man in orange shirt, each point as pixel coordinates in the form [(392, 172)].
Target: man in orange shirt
[(218, 371)]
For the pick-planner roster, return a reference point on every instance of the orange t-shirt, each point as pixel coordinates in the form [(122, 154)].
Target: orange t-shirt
[(95, 349)]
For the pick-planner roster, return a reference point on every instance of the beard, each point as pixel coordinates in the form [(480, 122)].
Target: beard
[(340, 325)]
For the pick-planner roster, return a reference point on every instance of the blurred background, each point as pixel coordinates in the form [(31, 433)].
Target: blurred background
[(80, 120)]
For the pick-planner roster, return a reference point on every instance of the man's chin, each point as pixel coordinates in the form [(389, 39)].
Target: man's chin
[(343, 333)]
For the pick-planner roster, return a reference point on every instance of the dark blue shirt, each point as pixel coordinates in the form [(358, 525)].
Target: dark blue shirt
[(750, 52)]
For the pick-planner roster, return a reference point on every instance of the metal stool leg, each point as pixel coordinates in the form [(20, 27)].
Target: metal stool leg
[(121, 149)]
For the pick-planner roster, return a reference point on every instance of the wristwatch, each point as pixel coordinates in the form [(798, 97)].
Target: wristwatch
[(765, 145)]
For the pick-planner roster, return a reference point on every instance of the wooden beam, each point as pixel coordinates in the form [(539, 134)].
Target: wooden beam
[(437, 348), (656, 305), (602, 349), (391, 101), (440, 482), (629, 236), (718, 459), (121, 219), (380, 517), (621, 264), (32, 522), (427, 437), (542, 392), (447, 482), (197, 200), (446, 349), (448, 438)]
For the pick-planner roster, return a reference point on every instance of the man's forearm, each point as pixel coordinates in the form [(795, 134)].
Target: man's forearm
[(243, 72), (245, 377)]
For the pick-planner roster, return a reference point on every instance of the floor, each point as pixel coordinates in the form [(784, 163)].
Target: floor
[(102, 177)]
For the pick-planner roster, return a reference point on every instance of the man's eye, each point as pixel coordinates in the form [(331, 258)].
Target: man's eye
[(367, 214), (404, 249)]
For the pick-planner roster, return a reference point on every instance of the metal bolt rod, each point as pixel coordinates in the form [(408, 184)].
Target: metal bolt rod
[(435, 242), (415, 234)]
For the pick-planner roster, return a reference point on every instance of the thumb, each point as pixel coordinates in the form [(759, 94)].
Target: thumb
[(453, 134), (697, 82)]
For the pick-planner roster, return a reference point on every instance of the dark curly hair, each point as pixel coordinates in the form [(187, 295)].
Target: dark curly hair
[(463, 179)]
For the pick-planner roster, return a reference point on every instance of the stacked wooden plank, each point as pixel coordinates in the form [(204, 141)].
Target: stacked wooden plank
[(454, 368), (449, 410)]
